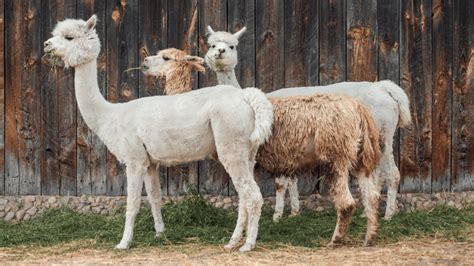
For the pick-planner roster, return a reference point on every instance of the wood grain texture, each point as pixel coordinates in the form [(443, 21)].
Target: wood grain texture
[(462, 175), (23, 98), (416, 80), (240, 14), (301, 55), (270, 63), (182, 34), (361, 40), (122, 53), (2, 97), (212, 176), (59, 112), (442, 93), (91, 151)]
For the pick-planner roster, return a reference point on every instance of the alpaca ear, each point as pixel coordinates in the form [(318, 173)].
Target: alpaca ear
[(196, 62), (91, 22), (210, 30), (240, 32)]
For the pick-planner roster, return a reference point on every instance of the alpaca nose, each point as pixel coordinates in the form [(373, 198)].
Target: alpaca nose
[(221, 51), (146, 60), (46, 43)]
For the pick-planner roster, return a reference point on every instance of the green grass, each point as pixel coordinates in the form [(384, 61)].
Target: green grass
[(193, 220)]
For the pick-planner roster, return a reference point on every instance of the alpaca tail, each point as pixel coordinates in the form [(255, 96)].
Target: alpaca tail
[(399, 96), (370, 146), (263, 110)]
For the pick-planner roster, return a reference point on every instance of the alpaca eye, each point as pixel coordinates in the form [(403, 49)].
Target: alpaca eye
[(166, 58), (213, 46), (231, 47), (69, 38)]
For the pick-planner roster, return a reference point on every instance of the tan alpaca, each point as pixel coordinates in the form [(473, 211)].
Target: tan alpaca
[(174, 67)]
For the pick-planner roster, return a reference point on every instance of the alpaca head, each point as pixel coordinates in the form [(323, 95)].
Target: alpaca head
[(170, 61), (74, 41), (222, 53)]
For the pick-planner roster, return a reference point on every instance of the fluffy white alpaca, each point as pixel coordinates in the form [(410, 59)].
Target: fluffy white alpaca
[(387, 102), (219, 121)]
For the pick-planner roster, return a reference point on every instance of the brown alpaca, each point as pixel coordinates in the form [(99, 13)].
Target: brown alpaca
[(174, 67), (331, 130)]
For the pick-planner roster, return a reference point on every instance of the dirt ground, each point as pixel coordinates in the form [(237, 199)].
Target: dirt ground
[(425, 252)]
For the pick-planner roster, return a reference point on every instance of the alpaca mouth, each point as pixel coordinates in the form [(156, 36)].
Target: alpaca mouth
[(52, 60)]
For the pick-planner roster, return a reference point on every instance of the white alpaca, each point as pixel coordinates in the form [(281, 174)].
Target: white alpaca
[(168, 130), (387, 102)]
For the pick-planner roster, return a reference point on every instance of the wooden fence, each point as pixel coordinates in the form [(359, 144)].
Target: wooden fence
[(426, 46)]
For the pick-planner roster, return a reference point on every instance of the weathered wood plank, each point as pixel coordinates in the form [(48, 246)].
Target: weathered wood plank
[(388, 38), (301, 55), (122, 53), (416, 80), (212, 176), (361, 44), (462, 177), (240, 14), (2, 98), (269, 64), (182, 34), (59, 111), (91, 151), (153, 37), (23, 108), (332, 52), (442, 93)]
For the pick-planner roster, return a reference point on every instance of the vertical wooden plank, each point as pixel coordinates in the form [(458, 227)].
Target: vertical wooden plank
[(361, 43), (59, 112), (332, 50), (442, 93), (91, 151), (2, 98), (462, 177), (122, 51), (23, 104), (182, 34), (416, 80), (153, 37), (301, 57), (240, 14), (332, 42), (388, 41), (213, 179), (270, 63)]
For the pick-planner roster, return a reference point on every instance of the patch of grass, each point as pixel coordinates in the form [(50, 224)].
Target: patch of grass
[(194, 220)]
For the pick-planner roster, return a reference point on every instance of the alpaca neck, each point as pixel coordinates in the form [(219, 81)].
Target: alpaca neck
[(227, 78), (179, 81), (90, 101)]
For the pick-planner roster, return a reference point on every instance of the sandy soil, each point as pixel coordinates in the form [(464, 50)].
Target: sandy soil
[(425, 252)]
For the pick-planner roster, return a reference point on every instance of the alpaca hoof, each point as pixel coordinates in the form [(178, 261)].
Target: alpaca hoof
[(276, 217), (388, 216), (368, 242), (229, 247), (246, 247), (294, 213), (121, 246), (158, 234), (362, 215)]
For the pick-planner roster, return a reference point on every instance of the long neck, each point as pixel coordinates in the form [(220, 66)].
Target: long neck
[(227, 78), (92, 104), (179, 80)]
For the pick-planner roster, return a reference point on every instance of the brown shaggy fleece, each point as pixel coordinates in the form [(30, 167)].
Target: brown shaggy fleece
[(320, 129)]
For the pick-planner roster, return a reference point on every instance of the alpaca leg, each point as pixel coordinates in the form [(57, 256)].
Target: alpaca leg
[(281, 184), (153, 190), (239, 228), (294, 195), (254, 204), (370, 199), (344, 203), (135, 174), (393, 178)]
